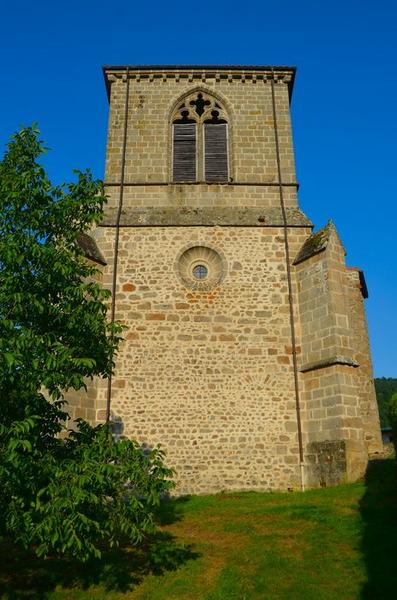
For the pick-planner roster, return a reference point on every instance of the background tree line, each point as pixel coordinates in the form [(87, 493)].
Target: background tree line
[(385, 387)]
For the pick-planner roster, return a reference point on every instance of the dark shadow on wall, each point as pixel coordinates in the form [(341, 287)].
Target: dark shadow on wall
[(378, 509), (116, 427)]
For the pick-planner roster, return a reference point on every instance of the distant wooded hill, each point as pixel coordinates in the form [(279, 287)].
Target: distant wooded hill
[(385, 387)]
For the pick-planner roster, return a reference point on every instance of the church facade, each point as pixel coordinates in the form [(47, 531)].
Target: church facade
[(245, 353)]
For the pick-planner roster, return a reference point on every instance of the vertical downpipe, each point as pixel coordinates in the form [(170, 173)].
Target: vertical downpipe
[(290, 296), (117, 235)]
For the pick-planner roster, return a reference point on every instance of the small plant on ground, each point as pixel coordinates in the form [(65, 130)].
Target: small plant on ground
[(68, 496)]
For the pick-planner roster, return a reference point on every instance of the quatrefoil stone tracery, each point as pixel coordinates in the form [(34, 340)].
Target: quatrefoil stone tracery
[(199, 108)]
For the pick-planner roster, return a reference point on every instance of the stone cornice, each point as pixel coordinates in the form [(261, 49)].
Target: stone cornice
[(197, 183), (206, 217), (194, 73)]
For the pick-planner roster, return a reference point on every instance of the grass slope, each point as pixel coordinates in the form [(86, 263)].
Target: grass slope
[(323, 544)]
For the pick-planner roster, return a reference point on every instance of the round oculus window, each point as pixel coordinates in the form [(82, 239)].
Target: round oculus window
[(200, 267), (200, 272)]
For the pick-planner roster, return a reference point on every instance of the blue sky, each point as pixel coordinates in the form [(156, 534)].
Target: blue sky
[(343, 108)]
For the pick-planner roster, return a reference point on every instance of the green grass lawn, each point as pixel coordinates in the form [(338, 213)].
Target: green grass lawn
[(322, 544)]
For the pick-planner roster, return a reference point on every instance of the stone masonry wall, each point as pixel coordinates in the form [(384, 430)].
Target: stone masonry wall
[(148, 152), (151, 103), (362, 354), (335, 360), (322, 307), (207, 374)]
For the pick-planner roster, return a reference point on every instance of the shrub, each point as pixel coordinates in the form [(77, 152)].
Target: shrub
[(88, 492)]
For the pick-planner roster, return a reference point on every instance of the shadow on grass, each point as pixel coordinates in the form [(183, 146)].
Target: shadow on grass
[(171, 510), (378, 509), (22, 575)]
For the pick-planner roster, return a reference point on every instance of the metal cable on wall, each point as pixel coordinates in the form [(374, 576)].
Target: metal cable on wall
[(289, 281), (117, 234)]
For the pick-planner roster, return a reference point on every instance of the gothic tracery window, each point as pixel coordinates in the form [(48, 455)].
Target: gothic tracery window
[(200, 140)]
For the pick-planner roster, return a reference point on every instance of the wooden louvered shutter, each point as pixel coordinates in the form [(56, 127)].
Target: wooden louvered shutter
[(184, 154), (215, 152)]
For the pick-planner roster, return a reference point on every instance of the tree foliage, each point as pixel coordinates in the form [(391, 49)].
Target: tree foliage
[(392, 414), (59, 495), (385, 387)]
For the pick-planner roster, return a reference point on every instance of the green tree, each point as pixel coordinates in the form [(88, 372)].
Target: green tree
[(385, 387), (77, 494), (392, 414)]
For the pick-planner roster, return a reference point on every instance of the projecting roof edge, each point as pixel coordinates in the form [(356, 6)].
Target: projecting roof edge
[(90, 248), (283, 73)]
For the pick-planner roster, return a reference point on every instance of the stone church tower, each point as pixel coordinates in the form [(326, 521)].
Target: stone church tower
[(246, 353)]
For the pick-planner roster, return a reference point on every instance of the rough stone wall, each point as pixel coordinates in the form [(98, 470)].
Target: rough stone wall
[(208, 372), (322, 307), (338, 398), (253, 165), (362, 354), (83, 404), (332, 413), (151, 103), (326, 462)]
